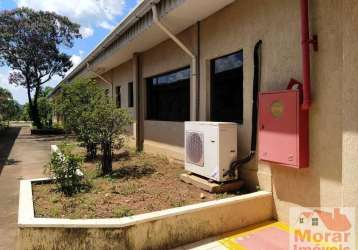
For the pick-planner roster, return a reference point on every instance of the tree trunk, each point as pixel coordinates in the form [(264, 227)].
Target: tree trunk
[(35, 116), (37, 120), (34, 112), (106, 158)]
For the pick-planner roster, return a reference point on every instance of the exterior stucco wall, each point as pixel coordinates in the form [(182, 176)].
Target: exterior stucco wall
[(121, 76), (163, 136), (240, 26), (105, 85), (329, 181), (349, 106), (277, 24)]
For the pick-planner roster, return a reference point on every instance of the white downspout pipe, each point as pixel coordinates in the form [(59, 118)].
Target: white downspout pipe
[(193, 85), (102, 78), (98, 75)]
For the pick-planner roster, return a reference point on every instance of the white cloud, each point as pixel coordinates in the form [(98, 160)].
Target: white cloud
[(85, 12), (19, 93), (106, 25), (86, 32), (76, 60)]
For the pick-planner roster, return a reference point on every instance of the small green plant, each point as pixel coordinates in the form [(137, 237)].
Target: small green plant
[(128, 189), (120, 212), (64, 168), (223, 195), (58, 125), (66, 147), (179, 203), (54, 212)]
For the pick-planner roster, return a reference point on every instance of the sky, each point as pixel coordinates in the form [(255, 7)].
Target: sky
[(96, 17)]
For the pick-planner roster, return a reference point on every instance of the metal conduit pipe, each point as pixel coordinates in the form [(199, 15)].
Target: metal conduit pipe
[(194, 75), (98, 75), (305, 55), (306, 60)]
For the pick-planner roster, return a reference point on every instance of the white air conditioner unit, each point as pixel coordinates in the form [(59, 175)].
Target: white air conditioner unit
[(210, 147)]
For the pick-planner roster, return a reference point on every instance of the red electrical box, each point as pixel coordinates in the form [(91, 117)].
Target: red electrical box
[(283, 129)]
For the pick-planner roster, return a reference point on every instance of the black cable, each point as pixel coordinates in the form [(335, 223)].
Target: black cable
[(255, 91)]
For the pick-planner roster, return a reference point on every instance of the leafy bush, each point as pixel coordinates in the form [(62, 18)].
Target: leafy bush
[(106, 122), (63, 168), (94, 118), (73, 103)]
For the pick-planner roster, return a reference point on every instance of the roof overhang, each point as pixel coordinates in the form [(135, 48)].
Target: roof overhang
[(184, 14)]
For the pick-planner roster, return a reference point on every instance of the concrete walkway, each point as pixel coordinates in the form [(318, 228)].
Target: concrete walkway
[(22, 156)]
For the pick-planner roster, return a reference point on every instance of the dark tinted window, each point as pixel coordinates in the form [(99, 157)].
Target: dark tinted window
[(227, 88), (168, 96), (118, 97), (130, 95)]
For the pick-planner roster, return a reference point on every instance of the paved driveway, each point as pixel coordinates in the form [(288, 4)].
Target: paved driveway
[(22, 156)]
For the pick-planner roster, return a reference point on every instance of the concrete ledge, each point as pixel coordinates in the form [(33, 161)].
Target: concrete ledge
[(157, 230)]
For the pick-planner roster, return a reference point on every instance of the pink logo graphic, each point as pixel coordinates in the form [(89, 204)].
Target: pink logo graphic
[(322, 228)]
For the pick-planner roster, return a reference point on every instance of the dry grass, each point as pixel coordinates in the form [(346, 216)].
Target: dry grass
[(140, 183)]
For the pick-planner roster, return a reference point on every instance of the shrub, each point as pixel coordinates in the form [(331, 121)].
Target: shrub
[(107, 123), (63, 168), (94, 118), (73, 103), (120, 212)]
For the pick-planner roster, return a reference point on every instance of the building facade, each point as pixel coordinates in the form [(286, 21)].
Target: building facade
[(146, 72)]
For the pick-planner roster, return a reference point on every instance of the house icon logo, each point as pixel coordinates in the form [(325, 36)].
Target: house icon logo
[(319, 228)]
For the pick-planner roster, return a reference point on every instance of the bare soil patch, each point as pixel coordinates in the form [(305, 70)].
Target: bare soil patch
[(140, 183)]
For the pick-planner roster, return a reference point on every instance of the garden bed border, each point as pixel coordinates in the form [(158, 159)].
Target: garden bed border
[(27, 214), (164, 229)]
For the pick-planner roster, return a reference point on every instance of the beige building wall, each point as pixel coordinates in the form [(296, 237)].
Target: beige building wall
[(330, 179), (122, 76), (350, 106), (163, 136), (277, 24)]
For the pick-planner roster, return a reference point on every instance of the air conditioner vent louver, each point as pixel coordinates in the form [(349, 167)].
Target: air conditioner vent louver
[(195, 148)]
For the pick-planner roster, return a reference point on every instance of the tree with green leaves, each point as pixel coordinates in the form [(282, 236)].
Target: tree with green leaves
[(74, 100), (30, 43), (4, 94), (106, 123), (9, 108), (45, 107), (93, 116), (25, 114)]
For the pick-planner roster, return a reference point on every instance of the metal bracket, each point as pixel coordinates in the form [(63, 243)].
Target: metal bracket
[(314, 42)]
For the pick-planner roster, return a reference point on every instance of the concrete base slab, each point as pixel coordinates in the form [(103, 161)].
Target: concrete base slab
[(211, 187)]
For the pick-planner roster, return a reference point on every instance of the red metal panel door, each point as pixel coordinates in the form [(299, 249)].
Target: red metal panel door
[(278, 127)]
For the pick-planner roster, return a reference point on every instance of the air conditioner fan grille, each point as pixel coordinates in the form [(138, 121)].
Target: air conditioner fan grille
[(195, 148)]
